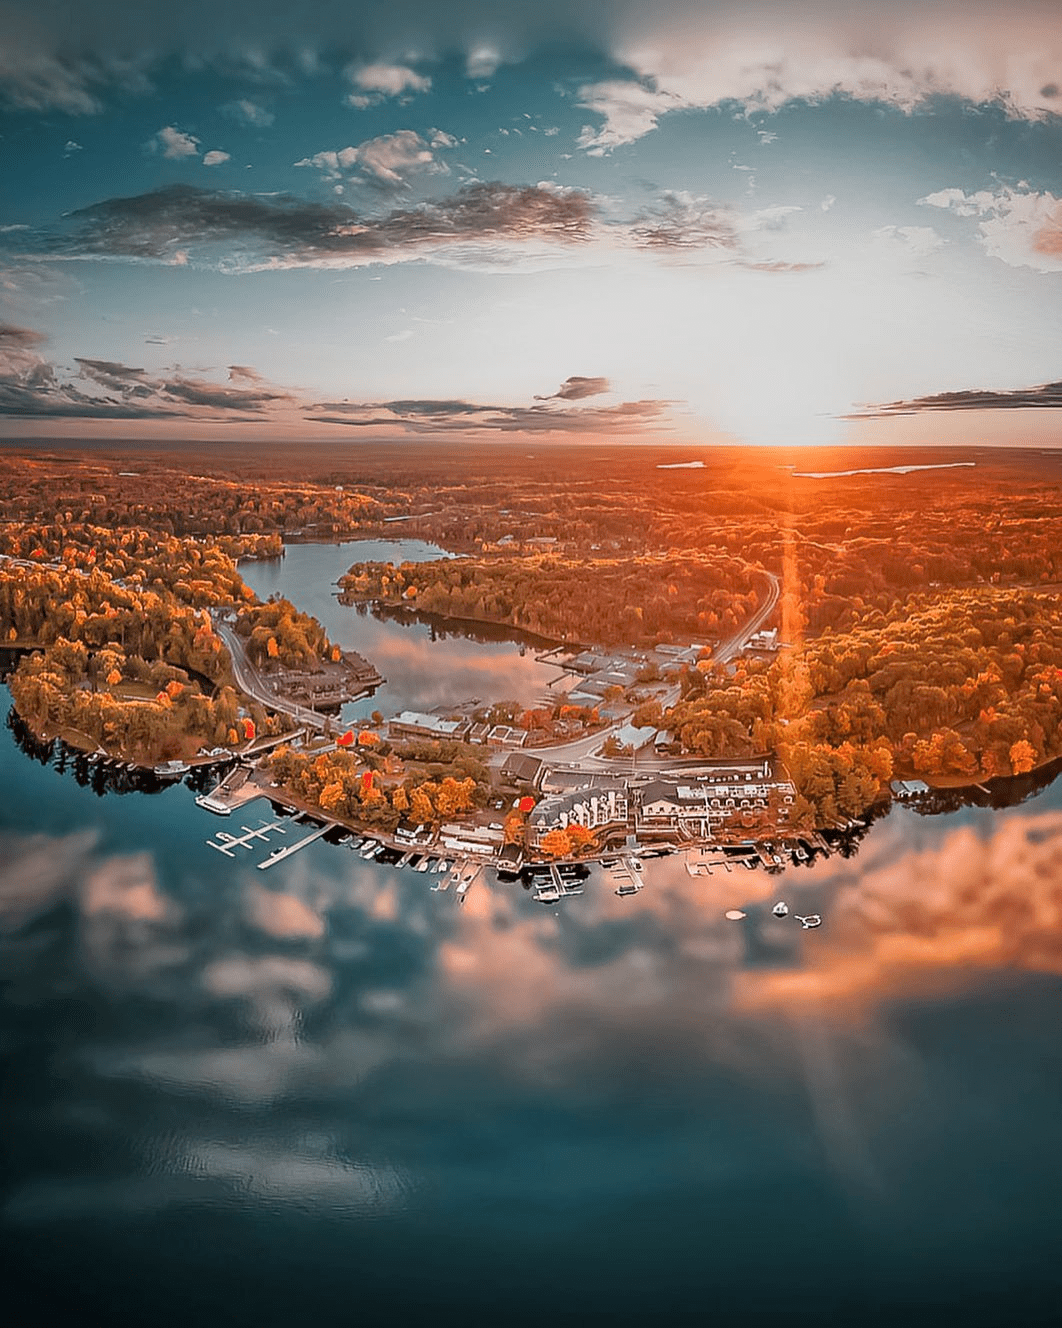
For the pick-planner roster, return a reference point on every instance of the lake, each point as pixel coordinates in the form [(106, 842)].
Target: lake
[(326, 1094), (425, 666)]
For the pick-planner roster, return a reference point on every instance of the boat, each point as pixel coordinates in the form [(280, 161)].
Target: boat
[(369, 848), (172, 769)]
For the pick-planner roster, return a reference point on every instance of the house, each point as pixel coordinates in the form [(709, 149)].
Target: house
[(520, 768), (635, 737), (907, 789)]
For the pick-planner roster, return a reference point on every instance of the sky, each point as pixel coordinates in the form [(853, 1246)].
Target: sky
[(693, 221)]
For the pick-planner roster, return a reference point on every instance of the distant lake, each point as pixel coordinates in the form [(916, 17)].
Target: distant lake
[(425, 666), (324, 1094)]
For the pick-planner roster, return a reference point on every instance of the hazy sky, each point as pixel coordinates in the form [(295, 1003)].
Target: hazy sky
[(671, 220)]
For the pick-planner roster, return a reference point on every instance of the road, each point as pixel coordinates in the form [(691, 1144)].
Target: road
[(249, 680), (581, 751)]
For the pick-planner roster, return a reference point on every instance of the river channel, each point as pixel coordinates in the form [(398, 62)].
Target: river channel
[(326, 1094)]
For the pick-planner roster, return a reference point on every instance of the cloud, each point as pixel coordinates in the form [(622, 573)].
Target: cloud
[(175, 144), (71, 147), (386, 160), (435, 416), (215, 157), (376, 81), (757, 53), (680, 221), (629, 110), (482, 62), (576, 389), (249, 113), (1019, 226), (32, 387), (243, 232), (282, 915), (1046, 396), (920, 241), (938, 915)]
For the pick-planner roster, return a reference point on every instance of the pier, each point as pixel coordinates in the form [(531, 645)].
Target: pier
[(279, 854)]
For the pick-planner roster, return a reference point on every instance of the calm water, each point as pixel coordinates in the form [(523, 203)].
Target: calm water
[(424, 666), (324, 1094)]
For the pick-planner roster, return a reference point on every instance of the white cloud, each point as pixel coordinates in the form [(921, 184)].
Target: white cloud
[(175, 144), (249, 113), (763, 56), (1019, 226), (72, 147), (375, 81), (385, 160), (630, 112), (827, 202), (482, 62), (215, 157)]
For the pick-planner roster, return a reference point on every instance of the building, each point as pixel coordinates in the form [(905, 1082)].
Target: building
[(415, 724), (593, 807), (697, 807), (637, 739), (520, 768)]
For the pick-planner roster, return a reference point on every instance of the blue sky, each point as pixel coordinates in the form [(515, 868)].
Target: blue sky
[(773, 223)]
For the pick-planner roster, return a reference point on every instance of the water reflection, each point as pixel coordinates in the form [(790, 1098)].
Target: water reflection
[(424, 663), (336, 1042)]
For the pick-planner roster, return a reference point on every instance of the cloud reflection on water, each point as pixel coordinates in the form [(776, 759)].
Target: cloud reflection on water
[(315, 1000)]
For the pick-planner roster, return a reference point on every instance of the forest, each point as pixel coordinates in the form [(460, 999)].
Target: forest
[(918, 623), (600, 601), (127, 658)]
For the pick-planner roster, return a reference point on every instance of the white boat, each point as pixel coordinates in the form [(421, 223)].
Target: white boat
[(172, 769), (368, 849)]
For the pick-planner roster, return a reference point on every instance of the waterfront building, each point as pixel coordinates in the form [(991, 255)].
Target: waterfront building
[(592, 806)]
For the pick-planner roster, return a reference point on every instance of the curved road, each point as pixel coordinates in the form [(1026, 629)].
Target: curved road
[(249, 680), (581, 751)]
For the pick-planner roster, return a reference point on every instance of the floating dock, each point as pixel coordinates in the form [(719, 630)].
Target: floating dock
[(225, 843)]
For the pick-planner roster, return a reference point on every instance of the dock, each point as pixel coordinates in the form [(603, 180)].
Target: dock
[(279, 854), (235, 790), (226, 843)]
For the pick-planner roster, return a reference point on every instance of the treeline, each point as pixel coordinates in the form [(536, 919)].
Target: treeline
[(128, 659), (195, 572), (170, 501), (961, 685), (603, 601)]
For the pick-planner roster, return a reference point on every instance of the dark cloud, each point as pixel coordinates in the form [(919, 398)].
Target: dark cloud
[(462, 416), (246, 229), (576, 389), (1047, 395), (19, 338), (32, 387)]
